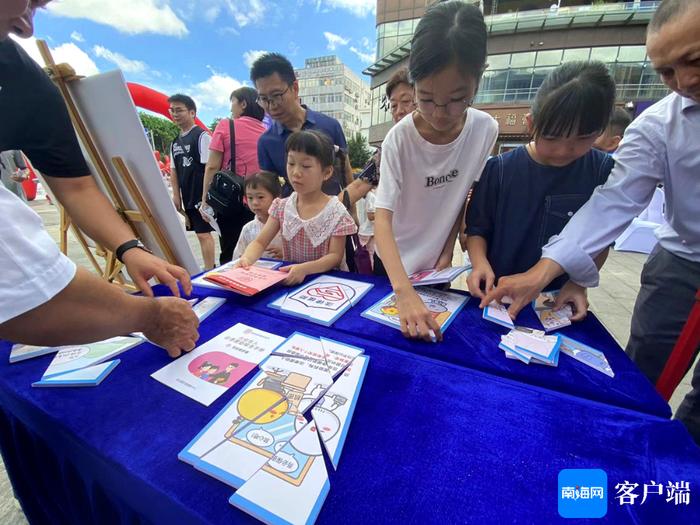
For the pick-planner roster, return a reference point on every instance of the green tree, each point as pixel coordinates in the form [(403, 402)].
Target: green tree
[(164, 131), (214, 123), (358, 151)]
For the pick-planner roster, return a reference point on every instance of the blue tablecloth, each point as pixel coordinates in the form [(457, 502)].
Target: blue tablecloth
[(473, 343), (430, 442)]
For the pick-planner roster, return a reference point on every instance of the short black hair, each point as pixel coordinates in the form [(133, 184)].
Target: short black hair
[(449, 32), (619, 121), (268, 180), (398, 78), (576, 98), (669, 10), (313, 143), (183, 99), (271, 63), (250, 97)]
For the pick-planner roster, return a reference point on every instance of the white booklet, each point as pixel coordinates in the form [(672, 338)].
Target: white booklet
[(90, 376), (428, 277), (212, 368), (77, 357)]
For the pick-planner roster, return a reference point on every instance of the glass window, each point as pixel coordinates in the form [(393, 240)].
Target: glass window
[(498, 61), (522, 59), (548, 58), (580, 53), (518, 86), (631, 54), (604, 54), (390, 44), (406, 27), (538, 76), (391, 29)]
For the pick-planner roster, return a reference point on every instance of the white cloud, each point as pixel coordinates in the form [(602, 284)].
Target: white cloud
[(367, 58), (211, 13), (213, 93), (77, 37), (335, 40), (247, 12), (251, 56), (127, 65), (67, 53), (128, 16), (359, 8)]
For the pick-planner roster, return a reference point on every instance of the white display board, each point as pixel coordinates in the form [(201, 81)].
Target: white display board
[(109, 114)]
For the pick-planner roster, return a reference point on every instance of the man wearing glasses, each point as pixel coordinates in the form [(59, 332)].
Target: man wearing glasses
[(278, 94)]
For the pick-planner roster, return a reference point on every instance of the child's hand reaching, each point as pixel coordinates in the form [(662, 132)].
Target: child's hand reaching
[(575, 295), (244, 262), (416, 320), (296, 274), (482, 273)]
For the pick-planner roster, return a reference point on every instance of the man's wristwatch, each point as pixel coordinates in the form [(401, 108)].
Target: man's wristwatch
[(128, 245)]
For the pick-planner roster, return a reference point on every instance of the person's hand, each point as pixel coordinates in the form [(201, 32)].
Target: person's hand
[(243, 262), (444, 261), (482, 273), (523, 288), (416, 320), (173, 325), (178, 203), (143, 266), (296, 274), (577, 296), (204, 215), (276, 252)]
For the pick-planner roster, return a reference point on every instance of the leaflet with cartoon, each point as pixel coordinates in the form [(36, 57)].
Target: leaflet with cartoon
[(212, 368)]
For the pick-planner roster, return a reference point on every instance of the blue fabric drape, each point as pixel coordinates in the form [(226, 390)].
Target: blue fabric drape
[(432, 440)]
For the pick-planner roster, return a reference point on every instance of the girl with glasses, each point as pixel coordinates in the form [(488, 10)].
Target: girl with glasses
[(431, 158)]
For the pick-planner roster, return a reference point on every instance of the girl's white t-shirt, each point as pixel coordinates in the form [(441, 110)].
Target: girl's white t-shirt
[(425, 185)]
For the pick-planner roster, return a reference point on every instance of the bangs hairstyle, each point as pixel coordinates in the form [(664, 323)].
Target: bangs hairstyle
[(313, 143), (449, 32), (265, 179), (575, 99)]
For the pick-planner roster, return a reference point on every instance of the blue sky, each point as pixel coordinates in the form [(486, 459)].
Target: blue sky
[(202, 47)]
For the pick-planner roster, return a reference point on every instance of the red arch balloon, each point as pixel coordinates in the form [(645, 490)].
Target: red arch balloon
[(152, 100)]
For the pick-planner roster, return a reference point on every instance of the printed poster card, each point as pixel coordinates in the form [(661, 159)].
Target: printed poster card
[(428, 277), (333, 413), (443, 306), (292, 485), (24, 352), (586, 355), (551, 319), (323, 300), (498, 313), (208, 371)]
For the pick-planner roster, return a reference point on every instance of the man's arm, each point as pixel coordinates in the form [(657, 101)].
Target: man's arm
[(89, 309), (88, 207)]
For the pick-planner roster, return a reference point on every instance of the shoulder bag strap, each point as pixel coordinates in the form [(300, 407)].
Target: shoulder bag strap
[(232, 129)]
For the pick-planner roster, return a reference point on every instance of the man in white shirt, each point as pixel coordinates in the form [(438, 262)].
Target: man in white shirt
[(44, 298), (660, 146)]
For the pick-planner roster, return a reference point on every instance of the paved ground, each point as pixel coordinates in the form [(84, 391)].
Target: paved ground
[(612, 302)]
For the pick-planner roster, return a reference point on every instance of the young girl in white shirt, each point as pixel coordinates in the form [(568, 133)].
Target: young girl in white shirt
[(260, 190), (431, 158), (313, 224)]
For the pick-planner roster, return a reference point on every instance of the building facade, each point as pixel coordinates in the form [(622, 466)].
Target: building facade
[(329, 86), (527, 39)]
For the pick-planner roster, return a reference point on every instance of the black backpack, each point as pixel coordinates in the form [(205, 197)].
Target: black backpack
[(227, 189)]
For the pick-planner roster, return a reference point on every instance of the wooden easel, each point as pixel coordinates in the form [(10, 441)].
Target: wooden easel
[(62, 74)]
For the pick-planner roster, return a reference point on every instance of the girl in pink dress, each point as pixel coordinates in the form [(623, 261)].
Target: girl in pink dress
[(313, 224)]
